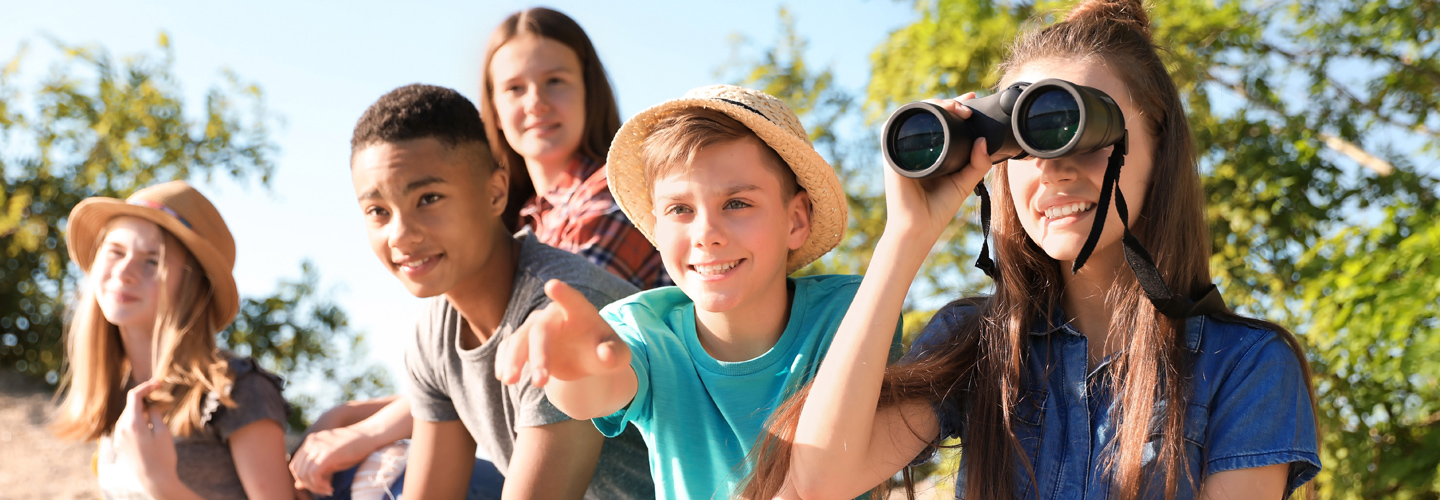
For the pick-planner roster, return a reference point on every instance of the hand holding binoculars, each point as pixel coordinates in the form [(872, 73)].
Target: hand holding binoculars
[(1047, 119)]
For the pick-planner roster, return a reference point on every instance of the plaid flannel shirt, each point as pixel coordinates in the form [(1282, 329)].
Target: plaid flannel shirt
[(580, 216)]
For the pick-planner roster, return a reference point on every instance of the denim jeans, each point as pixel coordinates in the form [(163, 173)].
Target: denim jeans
[(485, 483)]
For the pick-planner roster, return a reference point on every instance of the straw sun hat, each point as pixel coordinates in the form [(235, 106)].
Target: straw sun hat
[(774, 123), (182, 211)]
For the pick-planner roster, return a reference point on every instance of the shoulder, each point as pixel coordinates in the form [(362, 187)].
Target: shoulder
[(543, 263), (1233, 349), (256, 393), (944, 323), (1232, 339), (247, 369)]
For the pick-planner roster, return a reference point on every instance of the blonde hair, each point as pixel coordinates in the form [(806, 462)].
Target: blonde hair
[(677, 138), (184, 354)]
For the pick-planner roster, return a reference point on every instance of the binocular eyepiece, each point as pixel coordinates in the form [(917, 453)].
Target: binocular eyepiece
[(1047, 119)]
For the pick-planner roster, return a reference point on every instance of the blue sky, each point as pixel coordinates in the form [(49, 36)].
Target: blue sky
[(321, 65)]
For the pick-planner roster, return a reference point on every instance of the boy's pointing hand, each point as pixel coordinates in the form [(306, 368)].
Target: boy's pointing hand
[(567, 340)]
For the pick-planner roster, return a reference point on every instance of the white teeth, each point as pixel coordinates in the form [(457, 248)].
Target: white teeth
[(715, 269), (1064, 210), (416, 263)]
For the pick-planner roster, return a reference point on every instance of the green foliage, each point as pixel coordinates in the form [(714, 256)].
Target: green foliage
[(1316, 125), (101, 127)]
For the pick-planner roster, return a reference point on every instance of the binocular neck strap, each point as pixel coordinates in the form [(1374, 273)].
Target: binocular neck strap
[(983, 262), (1139, 259)]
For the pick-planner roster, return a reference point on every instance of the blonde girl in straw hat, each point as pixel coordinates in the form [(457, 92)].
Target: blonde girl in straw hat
[(174, 416)]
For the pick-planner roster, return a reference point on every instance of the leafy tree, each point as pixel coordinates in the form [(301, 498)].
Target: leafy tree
[(1316, 123), (101, 127)]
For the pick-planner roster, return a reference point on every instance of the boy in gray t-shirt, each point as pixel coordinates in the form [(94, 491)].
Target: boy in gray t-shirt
[(450, 383), (433, 198)]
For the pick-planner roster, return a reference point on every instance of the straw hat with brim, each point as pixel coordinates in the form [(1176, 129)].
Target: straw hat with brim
[(182, 211), (775, 124)]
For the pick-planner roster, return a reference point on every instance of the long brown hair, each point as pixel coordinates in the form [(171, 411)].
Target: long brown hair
[(983, 360), (602, 114), (183, 346)]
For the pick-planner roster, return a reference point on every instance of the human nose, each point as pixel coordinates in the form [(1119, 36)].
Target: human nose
[(404, 231), (1057, 170), (707, 230), (535, 100)]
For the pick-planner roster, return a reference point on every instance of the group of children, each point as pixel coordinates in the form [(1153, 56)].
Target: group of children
[(533, 223)]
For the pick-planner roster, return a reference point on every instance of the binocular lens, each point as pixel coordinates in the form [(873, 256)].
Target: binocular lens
[(919, 140), (1051, 120)]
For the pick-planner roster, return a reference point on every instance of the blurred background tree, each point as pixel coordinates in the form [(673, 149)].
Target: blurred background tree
[(1316, 125), (95, 126)]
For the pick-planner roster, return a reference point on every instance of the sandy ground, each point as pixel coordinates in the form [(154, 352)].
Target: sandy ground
[(33, 464)]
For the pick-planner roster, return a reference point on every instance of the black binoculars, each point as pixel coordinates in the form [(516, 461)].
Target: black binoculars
[(1047, 119)]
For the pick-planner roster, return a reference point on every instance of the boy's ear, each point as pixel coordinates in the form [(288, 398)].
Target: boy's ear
[(497, 189), (799, 220)]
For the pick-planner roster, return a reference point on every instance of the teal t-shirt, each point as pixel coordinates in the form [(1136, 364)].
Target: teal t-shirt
[(701, 416)]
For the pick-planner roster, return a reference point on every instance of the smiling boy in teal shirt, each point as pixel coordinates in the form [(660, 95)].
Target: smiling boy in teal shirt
[(726, 184)]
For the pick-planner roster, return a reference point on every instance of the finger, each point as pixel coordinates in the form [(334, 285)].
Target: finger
[(157, 422), (136, 397), (539, 341), (972, 174), (956, 105), (516, 350), (570, 300)]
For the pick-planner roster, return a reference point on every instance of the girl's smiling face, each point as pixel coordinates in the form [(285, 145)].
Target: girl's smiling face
[(539, 96), (1056, 199), (125, 276)]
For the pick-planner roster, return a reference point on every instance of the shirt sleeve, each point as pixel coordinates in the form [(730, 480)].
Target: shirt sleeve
[(1262, 415), (428, 399), (627, 327), (256, 394)]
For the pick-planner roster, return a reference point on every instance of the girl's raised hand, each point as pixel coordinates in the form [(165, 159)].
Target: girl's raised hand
[(919, 209), (143, 438)]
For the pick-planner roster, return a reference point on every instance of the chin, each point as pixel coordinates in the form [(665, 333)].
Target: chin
[(713, 302)]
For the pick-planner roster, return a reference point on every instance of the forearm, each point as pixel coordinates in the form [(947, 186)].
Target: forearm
[(594, 396), (837, 421), (175, 490), (352, 412), (391, 423)]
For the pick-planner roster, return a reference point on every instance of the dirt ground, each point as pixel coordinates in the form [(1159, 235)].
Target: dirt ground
[(33, 464)]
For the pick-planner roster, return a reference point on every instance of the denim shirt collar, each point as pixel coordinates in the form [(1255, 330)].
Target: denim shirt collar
[(1056, 322)]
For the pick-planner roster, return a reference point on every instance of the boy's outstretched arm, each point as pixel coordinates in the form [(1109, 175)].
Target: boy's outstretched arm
[(581, 362)]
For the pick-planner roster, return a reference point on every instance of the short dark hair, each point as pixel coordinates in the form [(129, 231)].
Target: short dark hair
[(418, 111)]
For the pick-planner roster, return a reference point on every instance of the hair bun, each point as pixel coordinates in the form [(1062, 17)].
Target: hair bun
[(1130, 13)]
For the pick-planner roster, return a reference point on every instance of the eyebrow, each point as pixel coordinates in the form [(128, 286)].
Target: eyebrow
[(144, 252), (409, 188), (730, 191)]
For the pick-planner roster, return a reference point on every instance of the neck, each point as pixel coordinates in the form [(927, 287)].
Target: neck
[(546, 173), (137, 342), (1085, 303), (482, 298), (749, 330)]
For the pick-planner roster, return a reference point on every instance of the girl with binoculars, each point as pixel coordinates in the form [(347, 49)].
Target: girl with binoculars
[(1076, 378)]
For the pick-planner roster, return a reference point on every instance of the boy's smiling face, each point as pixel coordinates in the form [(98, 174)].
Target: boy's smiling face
[(431, 213), (724, 228)]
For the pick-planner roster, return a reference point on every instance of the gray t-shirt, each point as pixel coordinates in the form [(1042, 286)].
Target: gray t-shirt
[(449, 383), (204, 462)]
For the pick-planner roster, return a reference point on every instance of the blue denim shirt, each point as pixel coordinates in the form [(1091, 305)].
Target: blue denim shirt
[(1250, 408)]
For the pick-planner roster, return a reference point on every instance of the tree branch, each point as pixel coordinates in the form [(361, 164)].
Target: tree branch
[(1339, 144)]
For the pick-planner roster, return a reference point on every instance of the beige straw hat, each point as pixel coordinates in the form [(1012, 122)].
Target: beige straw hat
[(182, 211), (775, 124)]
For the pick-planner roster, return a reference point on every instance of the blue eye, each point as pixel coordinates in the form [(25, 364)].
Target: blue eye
[(735, 204), (677, 210)]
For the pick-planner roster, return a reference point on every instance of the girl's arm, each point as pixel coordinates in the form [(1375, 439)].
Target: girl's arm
[(1266, 482), (843, 445), (258, 449)]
